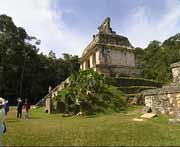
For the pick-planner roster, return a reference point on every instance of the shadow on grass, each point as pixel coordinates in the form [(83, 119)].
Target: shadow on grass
[(132, 108), (12, 120), (35, 117), (91, 116)]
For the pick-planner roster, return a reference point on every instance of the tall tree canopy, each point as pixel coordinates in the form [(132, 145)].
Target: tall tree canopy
[(25, 73), (155, 60)]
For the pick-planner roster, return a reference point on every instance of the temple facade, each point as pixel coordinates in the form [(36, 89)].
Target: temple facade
[(109, 53)]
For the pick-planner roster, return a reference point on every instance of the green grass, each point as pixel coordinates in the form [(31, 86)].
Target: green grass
[(111, 129)]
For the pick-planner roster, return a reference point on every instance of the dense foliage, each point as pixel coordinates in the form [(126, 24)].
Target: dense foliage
[(155, 60), (23, 71), (88, 93)]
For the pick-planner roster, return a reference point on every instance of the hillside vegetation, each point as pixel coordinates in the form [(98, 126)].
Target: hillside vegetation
[(88, 92)]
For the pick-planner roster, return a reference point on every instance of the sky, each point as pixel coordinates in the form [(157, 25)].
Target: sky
[(67, 26)]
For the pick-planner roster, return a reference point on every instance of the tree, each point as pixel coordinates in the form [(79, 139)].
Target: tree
[(15, 48), (23, 71), (52, 55), (71, 62), (155, 60)]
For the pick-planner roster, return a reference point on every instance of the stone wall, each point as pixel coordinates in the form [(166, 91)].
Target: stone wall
[(167, 103), (49, 105), (166, 100), (110, 59), (116, 71), (176, 72), (122, 58)]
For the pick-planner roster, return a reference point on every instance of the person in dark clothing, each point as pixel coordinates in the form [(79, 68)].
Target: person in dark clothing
[(19, 108), (6, 106)]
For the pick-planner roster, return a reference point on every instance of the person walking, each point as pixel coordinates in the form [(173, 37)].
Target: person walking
[(19, 108), (26, 107), (6, 106), (2, 119)]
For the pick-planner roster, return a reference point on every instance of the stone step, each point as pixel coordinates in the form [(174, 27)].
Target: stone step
[(135, 89), (138, 119), (148, 115)]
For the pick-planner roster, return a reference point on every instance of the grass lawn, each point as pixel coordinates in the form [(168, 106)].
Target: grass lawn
[(109, 129)]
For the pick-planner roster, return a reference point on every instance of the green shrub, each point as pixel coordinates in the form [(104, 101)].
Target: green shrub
[(88, 92)]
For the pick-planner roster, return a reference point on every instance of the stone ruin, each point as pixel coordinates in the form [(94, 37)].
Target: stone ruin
[(109, 53), (165, 100), (47, 100)]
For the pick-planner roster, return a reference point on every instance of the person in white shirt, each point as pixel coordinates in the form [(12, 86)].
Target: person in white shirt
[(2, 119)]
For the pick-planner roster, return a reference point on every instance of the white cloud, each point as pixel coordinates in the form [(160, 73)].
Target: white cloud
[(41, 21), (141, 29)]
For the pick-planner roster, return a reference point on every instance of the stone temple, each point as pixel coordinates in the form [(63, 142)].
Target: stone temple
[(109, 53)]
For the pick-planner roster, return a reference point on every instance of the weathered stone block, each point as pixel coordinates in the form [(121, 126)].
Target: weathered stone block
[(166, 100), (148, 115)]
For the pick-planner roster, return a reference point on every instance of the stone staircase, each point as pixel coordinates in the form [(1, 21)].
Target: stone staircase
[(133, 87), (52, 93)]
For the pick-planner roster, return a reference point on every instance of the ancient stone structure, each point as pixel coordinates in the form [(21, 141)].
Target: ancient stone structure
[(166, 100), (47, 100), (176, 72), (109, 53), (48, 105)]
